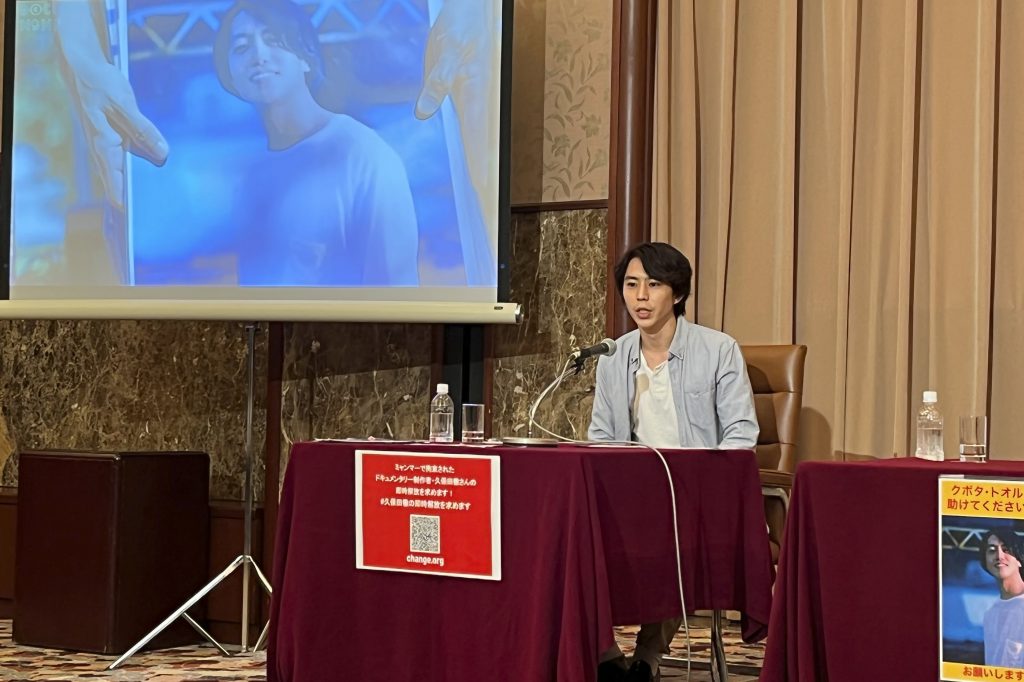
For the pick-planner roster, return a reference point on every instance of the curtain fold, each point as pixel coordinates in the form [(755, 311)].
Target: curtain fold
[(849, 175), (1007, 299)]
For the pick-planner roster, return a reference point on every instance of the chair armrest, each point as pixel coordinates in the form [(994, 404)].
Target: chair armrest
[(772, 478)]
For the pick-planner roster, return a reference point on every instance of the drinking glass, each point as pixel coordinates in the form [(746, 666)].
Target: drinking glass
[(974, 439), (472, 423)]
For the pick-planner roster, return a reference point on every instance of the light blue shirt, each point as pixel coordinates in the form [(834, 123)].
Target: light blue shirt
[(713, 399)]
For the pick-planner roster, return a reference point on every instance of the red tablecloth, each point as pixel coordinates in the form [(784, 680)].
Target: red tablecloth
[(586, 544), (857, 593)]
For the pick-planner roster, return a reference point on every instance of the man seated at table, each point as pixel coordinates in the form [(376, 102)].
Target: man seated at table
[(670, 384)]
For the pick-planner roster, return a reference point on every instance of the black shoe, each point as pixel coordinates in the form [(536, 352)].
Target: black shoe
[(640, 671), (612, 671)]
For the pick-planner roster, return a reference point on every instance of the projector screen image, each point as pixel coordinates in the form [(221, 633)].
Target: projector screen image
[(256, 149)]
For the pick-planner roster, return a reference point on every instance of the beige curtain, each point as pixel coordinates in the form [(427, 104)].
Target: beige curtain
[(850, 175)]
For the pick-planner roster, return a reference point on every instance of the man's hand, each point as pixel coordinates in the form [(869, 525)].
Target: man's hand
[(113, 124), (110, 115), (461, 61), (460, 55)]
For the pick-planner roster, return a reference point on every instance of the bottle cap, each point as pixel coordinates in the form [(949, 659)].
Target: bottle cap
[(442, 388), (931, 396)]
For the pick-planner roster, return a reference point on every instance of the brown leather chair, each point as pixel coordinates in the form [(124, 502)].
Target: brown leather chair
[(777, 378)]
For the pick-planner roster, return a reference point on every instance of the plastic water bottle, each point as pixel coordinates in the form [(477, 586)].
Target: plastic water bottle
[(442, 416), (929, 429)]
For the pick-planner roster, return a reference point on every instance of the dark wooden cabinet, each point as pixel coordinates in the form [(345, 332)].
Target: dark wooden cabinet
[(108, 545)]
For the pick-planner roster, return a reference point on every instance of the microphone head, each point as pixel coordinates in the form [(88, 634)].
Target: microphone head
[(606, 347)]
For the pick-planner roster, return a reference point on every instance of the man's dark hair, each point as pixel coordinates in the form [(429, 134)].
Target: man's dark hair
[(1012, 545), (288, 21), (664, 263)]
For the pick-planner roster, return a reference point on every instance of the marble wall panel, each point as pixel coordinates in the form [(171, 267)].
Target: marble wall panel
[(355, 380), (558, 273), (131, 385)]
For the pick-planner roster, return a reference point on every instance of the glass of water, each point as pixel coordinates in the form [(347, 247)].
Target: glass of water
[(974, 439), (472, 423)]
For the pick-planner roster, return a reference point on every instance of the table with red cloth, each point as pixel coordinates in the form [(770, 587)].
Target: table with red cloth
[(857, 592), (586, 543)]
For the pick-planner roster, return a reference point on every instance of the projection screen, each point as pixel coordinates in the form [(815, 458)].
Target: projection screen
[(257, 159)]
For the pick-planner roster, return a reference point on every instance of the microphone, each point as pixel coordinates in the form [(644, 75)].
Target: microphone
[(606, 347)]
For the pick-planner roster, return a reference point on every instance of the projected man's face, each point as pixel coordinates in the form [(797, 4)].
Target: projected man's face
[(262, 69), (998, 561)]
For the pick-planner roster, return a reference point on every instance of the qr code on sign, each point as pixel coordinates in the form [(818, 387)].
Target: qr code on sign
[(425, 534)]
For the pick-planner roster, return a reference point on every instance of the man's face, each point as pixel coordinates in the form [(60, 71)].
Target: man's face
[(998, 561), (262, 69), (649, 301)]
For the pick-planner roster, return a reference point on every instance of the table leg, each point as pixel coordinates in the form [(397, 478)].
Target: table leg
[(718, 663), (717, 666)]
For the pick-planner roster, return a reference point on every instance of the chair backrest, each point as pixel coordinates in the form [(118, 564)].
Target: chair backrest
[(777, 377)]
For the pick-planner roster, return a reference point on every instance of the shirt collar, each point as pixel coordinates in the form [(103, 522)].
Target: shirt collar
[(678, 346), (675, 349)]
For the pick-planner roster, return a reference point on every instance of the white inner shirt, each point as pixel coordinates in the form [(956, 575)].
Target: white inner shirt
[(654, 409)]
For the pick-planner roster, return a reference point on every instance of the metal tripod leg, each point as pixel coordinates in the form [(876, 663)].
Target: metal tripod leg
[(245, 559), (181, 610), (262, 638), (266, 626), (201, 630)]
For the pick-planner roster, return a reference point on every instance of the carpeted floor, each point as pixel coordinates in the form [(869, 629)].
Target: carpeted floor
[(744, 659), (194, 664), (204, 663)]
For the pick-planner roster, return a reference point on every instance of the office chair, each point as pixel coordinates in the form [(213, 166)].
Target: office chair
[(777, 378)]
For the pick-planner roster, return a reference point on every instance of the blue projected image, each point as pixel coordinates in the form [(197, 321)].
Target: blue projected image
[(269, 143), (978, 626)]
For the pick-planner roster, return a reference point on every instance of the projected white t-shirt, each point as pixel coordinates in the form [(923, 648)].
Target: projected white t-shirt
[(344, 218), (1004, 633)]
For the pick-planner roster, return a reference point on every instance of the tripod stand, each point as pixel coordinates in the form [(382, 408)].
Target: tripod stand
[(245, 559)]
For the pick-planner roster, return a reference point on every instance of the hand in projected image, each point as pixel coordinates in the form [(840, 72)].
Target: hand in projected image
[(105, 100), (461, 62), (113, 124), (459, 55)]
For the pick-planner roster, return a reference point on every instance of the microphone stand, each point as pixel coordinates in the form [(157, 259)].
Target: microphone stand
[(541, 441)]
